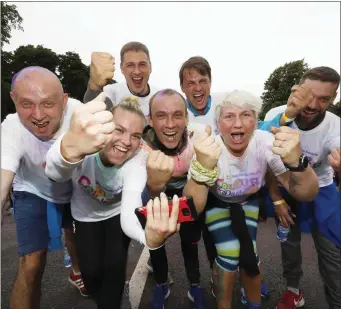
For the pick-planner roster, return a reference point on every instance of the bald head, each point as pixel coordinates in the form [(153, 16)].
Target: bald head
[(166, 92), (39, 99), (36, 75)]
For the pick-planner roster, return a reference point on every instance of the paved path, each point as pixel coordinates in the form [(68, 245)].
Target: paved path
[(59, 294)]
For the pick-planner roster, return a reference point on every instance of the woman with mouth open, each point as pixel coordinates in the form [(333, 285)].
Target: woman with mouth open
[(106, 179), (226, 173)]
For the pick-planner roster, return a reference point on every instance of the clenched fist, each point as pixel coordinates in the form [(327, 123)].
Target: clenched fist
[(334, 159), (287, 145), (300, 97), (91, 129), (159, 170), (102, 70), (207, 150)]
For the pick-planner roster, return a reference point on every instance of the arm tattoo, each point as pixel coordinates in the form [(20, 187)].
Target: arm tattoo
[(294, 183)]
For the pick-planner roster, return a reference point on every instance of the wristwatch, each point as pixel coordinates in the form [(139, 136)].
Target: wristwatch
[(302, 164)]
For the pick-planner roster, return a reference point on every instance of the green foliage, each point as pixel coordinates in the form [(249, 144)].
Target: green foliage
[(278, 86), (73, 74), (10, 19), (335, 108)]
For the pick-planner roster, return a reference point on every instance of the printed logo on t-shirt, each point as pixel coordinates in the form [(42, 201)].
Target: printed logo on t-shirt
[(239, 184), (99, 192), (312, 158)]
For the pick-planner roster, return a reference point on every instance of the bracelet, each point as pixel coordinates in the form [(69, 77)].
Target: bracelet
[(287, 119), (203, 175), (156, 247), (282, 201)]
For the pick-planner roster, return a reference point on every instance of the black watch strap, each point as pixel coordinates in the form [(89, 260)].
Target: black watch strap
[(302, 164)]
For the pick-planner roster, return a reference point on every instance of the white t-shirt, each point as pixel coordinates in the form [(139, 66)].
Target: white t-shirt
[(317, 144), (210, 117), (240, 177), (117, 92), (24, 154), (272, 113), (100, 192)]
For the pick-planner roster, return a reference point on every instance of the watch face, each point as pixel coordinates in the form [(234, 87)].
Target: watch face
[(304, 161)]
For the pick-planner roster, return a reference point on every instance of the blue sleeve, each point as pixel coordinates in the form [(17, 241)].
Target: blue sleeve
[(265, 125), (145, 196)]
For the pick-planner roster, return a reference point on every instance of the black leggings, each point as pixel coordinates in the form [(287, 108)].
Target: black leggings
[(102, 250), (190, 234)]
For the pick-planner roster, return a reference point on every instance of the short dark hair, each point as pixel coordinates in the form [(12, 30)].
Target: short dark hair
[(198, 63), (134, 46), (323, 74), (168, 92)]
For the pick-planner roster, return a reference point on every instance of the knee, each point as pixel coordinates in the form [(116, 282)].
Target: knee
[(190, 238), (116, 270), (227, 263), (32, 265)]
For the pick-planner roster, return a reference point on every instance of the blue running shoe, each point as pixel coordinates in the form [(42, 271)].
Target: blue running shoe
[(196, 295), (160, 293), (265, 292)]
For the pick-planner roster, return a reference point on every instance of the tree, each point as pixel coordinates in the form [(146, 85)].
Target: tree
[(29, 55), (335, 108), (278, 86), (10, 19), (7, 106), (73, 74)]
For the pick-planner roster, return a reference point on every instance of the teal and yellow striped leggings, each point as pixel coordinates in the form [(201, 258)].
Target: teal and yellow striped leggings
[(218, 221)]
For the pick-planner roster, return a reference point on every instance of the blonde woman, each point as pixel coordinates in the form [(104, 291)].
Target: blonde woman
[(105, 190)]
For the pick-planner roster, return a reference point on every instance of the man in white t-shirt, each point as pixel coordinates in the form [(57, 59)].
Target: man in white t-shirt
[(43, 113), (320, 142), (195, 82), (136, 68)]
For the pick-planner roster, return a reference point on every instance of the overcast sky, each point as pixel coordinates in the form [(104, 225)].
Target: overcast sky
[(243, 42)]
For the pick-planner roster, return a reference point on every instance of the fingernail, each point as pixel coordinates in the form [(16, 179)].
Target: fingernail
[(175, 197), (163, 194)]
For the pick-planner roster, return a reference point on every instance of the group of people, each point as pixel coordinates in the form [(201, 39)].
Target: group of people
[(87, 167)]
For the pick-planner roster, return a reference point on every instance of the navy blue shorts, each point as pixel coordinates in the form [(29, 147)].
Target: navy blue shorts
[(30, 215)]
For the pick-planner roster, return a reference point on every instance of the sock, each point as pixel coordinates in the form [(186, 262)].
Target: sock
[(294, 290)]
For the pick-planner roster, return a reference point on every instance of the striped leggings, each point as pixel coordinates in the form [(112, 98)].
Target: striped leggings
[(218, 221)]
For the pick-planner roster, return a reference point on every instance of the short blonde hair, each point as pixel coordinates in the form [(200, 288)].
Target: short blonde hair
[(131, 104), (242, 99)]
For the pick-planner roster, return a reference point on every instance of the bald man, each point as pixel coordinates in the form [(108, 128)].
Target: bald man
[(43, 113)]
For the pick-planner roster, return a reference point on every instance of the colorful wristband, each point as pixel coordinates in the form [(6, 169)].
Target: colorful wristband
[(286, 119), (279, 202)]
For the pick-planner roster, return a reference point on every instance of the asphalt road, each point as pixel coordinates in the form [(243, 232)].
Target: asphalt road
[(57, 293)]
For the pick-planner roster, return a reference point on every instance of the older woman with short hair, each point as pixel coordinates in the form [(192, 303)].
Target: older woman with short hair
[(227, 172)]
